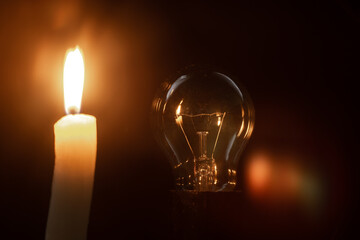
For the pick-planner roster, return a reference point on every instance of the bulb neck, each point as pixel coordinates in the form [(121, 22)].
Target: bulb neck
[(205, 177), (204, 167)]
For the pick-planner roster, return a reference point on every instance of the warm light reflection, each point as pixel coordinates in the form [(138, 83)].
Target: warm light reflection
[(241, 129), (73, 80), (249, 130), (215, 174), (156, 104)]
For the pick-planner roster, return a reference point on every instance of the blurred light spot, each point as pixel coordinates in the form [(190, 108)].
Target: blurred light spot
[(259, 173), (312, 193), (275, 179)]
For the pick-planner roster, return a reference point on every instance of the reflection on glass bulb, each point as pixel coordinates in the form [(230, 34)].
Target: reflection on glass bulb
[(203, 120)]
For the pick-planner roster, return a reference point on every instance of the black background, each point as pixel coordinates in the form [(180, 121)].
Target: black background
[(297, 60)]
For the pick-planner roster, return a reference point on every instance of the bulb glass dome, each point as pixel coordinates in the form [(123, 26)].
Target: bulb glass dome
[(203, 121)]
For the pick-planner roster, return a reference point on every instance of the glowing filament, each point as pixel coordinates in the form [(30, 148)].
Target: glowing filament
[(178, 110), (219, 121)]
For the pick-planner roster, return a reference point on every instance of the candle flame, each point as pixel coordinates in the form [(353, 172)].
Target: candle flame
[(73, 80)]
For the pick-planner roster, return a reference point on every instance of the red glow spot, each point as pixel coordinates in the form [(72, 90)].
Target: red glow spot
[(259, 172)]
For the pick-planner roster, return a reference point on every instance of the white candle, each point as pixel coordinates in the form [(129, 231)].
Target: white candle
[(75, 157)]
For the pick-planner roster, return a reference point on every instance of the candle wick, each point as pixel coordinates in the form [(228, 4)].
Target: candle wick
[(73, 110)]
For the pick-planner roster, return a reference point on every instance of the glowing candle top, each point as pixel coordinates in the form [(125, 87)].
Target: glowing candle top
[(73, 80)]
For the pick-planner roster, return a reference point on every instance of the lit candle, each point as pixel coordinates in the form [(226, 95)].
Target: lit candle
[(75, 156)]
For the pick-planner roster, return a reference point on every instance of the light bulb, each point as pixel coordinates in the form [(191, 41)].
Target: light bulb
[(203, 121)]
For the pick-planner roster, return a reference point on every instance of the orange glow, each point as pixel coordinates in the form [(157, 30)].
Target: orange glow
[(73, 80), (259, 174)]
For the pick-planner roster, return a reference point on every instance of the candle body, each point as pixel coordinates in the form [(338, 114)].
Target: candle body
[(75, 157)]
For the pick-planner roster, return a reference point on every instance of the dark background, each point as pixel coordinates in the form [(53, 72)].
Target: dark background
[(297, 60)]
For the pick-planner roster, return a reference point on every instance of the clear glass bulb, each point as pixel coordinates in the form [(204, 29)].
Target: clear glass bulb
[(203, 121)]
